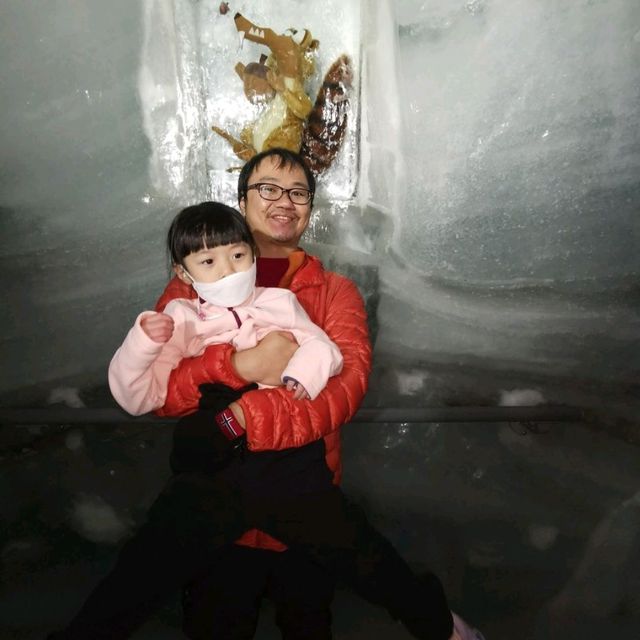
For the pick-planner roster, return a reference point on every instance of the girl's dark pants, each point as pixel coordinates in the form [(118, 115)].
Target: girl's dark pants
[(197, 514)]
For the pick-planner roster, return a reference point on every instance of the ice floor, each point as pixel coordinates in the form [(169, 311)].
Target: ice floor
[(536, 535)]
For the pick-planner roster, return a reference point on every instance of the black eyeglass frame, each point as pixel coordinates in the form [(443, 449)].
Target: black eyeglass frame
[(259, 185)]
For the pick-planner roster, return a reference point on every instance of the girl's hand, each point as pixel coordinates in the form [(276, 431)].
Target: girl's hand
[(158, 326), (299, 392)]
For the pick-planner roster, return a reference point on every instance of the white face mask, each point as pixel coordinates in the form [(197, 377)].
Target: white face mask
[(229, 291)]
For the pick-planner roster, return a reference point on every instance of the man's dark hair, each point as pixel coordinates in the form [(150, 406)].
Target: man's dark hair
[(208, 224), (285, 158)]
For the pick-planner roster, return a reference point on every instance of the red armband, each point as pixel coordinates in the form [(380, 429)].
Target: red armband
[(228, 424)]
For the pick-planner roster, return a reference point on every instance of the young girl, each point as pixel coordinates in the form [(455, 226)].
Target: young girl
[(212, 248)]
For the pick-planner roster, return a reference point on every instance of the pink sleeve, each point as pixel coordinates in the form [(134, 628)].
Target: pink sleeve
[(317, 357), (140, 369)]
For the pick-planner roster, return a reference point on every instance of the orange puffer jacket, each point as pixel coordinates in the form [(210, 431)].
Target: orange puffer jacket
[(274, 420)]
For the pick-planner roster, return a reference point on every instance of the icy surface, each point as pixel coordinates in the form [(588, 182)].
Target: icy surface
[(534, 535), (521, 141), (512, 176), (81, 222)]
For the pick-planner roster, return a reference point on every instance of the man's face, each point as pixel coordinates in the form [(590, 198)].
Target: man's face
[(276, 225)]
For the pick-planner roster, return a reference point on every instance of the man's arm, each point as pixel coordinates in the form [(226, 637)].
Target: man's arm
[(275, 420), (214, 365)]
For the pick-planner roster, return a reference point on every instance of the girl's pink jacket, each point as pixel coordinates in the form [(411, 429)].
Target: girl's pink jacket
[(140, 369)]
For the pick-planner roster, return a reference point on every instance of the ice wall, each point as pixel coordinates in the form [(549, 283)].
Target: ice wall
[(514, 190), (81, 221), (521, 137), (188, 83), (490, 179)]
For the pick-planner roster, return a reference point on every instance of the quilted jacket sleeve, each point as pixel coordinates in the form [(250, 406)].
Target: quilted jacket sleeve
[(214, 365), (174, 289), (276, 421)]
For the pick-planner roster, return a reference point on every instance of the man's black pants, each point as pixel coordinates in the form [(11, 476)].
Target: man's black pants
[(226, 604), (197, 514)]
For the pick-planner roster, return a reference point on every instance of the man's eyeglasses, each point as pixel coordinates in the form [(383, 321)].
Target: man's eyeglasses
[(273, 192)]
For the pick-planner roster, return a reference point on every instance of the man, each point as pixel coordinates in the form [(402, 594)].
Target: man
[(226, 603), (283, 483), (271, 191)]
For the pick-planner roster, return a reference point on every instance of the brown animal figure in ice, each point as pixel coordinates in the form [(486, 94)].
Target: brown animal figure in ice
[(289, 120), (288, 66), (327, 122)]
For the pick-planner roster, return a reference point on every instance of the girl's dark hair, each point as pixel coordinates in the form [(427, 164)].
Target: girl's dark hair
[(208, 224)]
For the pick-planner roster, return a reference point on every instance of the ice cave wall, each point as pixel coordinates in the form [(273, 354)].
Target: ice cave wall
[(491, 180)]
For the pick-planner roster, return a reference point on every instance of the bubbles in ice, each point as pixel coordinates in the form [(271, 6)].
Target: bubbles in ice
[(98, 521), (396, 437), (74, 440), (542, 537), (478, 474), (410, 382), (474, 7)]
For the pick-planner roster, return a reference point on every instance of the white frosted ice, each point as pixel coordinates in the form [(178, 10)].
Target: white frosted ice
[(98, 521), (410, 382), (74, 440), (70, 396), (542, 536), (521, 398)]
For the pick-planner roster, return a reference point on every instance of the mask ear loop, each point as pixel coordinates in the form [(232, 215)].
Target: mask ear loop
[(201, 314), (187, 274)]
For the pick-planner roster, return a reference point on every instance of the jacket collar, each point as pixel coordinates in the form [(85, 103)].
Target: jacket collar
[(307, 269)]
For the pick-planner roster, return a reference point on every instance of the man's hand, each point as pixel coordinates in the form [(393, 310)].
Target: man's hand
[(237, 411), (198, 442), (265, 363), (218, 396), (158, 326)]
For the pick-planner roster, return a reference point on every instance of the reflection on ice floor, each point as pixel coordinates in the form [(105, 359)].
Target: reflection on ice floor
[(535, 536)]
